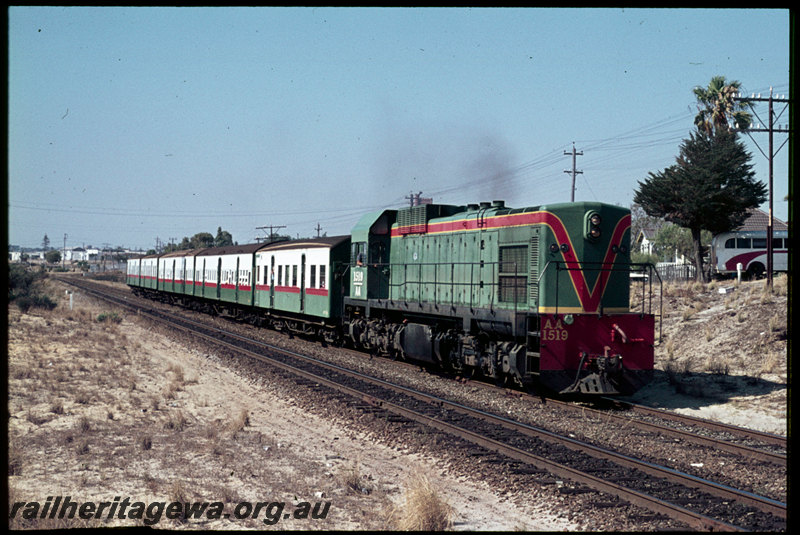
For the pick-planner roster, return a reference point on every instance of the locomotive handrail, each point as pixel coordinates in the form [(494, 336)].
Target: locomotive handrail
[(419, 281), (647, 279), (631, 268)]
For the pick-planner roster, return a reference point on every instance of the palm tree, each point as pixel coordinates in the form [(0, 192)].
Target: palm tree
[(718, 108)]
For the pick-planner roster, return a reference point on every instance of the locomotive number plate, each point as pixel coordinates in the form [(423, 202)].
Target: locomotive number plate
[(554, 331)]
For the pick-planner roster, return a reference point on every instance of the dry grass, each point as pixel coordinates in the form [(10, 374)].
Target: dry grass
[(423, 509), (239, 422), (725, 331), (354, 481), (95, 412)]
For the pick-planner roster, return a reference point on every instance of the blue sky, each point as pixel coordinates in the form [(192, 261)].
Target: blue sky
[(131, 124)]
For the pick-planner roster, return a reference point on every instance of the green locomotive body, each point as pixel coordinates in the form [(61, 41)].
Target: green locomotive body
[(480, 288)]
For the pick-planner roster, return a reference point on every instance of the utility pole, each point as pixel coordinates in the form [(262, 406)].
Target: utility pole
[(64, 252), (771, 129), (574, 171), (413, 198), (318, 228), (416, 199), (272, 229)]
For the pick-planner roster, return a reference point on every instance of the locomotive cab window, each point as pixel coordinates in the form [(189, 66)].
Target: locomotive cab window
[(358, 253)]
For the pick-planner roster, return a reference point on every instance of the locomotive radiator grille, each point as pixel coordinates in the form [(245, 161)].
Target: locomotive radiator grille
[(533, 272), (513, 273)]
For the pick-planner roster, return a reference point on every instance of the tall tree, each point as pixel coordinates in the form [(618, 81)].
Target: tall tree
[(202, 240), (45, 243), (223, 238), (711, 187), (717, 107)]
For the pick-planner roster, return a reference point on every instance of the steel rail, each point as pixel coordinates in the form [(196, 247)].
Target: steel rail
[(767, 438)]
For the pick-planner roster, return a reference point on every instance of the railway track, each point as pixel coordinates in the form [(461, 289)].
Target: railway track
[(525, 449)]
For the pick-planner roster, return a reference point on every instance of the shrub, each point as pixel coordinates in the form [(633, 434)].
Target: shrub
[(111, 317), (24, 289), (423, 509)]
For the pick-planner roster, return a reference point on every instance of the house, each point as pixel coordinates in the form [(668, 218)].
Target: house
[(645, 240)]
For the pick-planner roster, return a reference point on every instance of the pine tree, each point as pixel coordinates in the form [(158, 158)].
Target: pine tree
[(711, 187)]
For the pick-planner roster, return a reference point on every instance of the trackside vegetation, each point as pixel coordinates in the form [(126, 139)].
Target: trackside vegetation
[(25, 289)]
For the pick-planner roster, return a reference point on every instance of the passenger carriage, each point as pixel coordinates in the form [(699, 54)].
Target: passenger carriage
[(300, 277)]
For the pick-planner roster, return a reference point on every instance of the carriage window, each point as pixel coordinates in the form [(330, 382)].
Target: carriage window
[(294, 275), (743, 243), (313, 277), (777, 243), (759, 243), (322, 276), (730, 243), (280, 275)]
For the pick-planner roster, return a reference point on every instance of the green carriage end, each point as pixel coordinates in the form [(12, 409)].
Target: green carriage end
[(302, 277)]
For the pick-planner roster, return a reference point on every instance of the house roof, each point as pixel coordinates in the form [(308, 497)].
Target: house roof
[(649, 232), (758, 219)]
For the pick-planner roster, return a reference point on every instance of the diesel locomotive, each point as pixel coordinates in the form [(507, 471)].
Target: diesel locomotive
[(526, 296)]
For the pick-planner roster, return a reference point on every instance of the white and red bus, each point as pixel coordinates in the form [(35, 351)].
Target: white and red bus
[(750, 249)]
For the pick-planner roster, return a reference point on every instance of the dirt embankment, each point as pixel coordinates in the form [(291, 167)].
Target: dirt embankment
[(724, 353)]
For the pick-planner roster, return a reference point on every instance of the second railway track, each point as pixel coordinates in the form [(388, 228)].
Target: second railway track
[(692, 500)]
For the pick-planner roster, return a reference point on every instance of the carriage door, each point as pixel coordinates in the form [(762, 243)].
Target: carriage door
[(219, 277), (272, 282), (183, 275), (238, 278), (302, 283), (203, 280)]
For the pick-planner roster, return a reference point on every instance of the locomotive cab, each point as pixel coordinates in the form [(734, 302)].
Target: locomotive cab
[(369, 263)]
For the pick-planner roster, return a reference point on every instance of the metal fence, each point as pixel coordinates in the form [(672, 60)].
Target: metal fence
[(672, 271)]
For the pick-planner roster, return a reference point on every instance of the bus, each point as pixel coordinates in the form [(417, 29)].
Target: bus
[(750, 249)]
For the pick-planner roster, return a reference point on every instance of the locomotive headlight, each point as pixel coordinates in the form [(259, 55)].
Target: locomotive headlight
[(591, 225)]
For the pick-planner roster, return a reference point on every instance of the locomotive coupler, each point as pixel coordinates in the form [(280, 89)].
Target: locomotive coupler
[(602, 370)]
